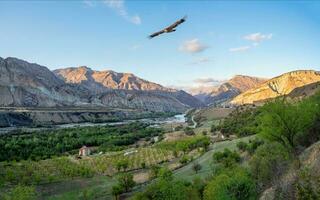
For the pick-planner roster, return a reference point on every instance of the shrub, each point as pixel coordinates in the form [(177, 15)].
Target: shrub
[(242, 146), (21, 192), (184, 159), (196, 167), (268, 163), (227, 158), (231, 184)]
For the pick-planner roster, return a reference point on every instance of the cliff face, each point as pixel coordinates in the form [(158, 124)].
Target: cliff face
[(278, 86), (24, 84), (232, 88)]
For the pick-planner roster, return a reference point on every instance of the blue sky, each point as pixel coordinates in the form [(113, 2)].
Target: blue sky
[(218, 40)]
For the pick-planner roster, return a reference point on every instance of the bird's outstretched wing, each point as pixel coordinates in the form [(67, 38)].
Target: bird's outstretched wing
[(170, 28), (156, 34), (177, 23)]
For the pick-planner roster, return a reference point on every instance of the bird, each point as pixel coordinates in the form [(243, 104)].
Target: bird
[(169, 29)]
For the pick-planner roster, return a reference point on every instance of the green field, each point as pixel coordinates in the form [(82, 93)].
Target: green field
[(205, 160)]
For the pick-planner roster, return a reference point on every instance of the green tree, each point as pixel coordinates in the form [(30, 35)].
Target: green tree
[(196, 167), (126, 181), (116, 191), (283, 122), (122, 164), (235, 184)]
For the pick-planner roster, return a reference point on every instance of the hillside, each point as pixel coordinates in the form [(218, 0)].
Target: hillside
[(278, 86), (24, 84), (232, 88)]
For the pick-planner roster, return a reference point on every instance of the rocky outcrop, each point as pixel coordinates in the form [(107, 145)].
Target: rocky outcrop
[(278, 86)]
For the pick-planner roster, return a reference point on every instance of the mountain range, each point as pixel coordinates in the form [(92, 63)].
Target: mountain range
[(24, 84)]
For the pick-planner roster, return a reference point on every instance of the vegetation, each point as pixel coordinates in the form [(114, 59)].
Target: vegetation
[(21, 193), (45, 144), (241, 122), (187, 144), (166, 187), (268, 164), (231, 184), (284, 129), (284, 122), (227, 158)]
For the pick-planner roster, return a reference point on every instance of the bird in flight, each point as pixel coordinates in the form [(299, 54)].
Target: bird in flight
[(170, 28)]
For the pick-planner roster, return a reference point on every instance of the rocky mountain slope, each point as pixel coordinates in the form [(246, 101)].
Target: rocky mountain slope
[(24, 84), (279, 86), (232, 88)]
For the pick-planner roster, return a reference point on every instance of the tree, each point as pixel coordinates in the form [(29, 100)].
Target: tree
[(231, 184), (154, 171), (126, 181), (116, 191), (283, 122), (122, 164), (165, 174), (196, 167)]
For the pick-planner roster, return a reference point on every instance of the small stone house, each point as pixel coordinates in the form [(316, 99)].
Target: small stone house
[(84, 151)]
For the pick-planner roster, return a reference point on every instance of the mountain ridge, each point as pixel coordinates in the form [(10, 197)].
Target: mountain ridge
[(32, 85), (278, 86), (231, 88)]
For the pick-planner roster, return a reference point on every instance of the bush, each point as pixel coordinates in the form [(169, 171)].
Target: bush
[(126, 181), (227, 158), (242, 146), (168, 189), (189, 131), (231, 184), (184, 159), (268, 163), (21, 192), (196, 167), (307, 186)]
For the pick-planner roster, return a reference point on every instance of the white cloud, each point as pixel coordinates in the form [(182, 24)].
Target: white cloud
[(206, 80), (258, 37), (193, 46), (120, 8), (239, 49), (89, 3)]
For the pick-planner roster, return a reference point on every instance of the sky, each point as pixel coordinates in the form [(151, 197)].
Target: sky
[(219, 39)]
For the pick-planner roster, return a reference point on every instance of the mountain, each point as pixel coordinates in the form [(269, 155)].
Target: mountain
[(24, 84), (107, 79), (232, 88), (279, 86), (102, 82)]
